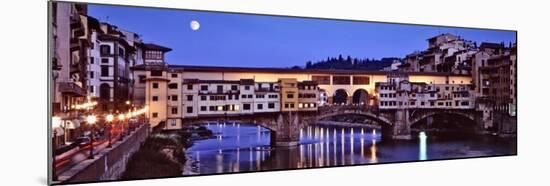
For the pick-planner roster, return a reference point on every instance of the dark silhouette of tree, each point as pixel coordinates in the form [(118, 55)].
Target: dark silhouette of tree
[(308, 65), (296, 67), (350, 63)]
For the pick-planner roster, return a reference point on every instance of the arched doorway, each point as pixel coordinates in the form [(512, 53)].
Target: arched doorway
[(105, 92), (361, 97), (340, 97)]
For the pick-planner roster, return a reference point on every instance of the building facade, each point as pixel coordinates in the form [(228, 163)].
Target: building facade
[(445, 53), (400, 93), (178, 92), (69, 44)]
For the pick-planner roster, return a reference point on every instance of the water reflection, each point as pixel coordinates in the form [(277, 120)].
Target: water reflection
[(422, 146), (373, 158), (242, 147)]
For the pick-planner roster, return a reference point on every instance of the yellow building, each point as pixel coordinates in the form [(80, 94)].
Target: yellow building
[(156, 94), (289, 94)]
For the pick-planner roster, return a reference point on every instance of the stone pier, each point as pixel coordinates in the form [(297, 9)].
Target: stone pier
[(402, 126)]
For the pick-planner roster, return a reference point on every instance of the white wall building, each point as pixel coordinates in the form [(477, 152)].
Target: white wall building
[(266, 97)]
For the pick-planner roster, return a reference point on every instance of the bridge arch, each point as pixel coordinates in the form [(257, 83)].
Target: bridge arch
[(340, 97), (360, 97), (423, 115), (378, 118)]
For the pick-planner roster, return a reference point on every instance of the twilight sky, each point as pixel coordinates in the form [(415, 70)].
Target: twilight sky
[(268, 41)]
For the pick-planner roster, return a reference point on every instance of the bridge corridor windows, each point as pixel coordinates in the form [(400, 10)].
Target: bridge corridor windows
[(361, 80), (341, 80)]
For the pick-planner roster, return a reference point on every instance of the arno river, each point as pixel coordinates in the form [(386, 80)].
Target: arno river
[(243, 148)]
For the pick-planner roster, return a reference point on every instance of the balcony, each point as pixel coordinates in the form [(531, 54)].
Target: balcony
[(71, 89), (75, 44)]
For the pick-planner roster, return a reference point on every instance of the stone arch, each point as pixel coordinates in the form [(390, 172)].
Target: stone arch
[(360, 96), (379, 118), (425, 115), (340, 96)]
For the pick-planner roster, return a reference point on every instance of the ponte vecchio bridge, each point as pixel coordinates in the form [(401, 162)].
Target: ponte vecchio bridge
[(286, 100)]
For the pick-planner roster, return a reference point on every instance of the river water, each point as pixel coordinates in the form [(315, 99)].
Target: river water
[(244, 148)]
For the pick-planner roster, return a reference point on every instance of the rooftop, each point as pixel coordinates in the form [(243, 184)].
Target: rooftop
[(491, 45), (192, 68), (152, 46)]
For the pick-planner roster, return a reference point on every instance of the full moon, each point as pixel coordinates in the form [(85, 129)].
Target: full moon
[(194, 25)]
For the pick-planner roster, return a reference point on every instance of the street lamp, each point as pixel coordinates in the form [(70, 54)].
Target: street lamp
[(91, 119), (120, 120), (109, 118)]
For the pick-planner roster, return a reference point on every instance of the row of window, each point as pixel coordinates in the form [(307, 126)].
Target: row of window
[(307, 105), (105, 71), (422, 103), (246, 106), (106, 50), (103, 60), (153, 54), (307, 87), (271, 96), (307, 95), (219, 88), (172, 97), (214, 97), (289, 105), (387, 87), (217, 108), (390, 95)]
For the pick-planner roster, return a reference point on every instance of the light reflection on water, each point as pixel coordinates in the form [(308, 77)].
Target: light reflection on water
[(422, 154), (242, 147)]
